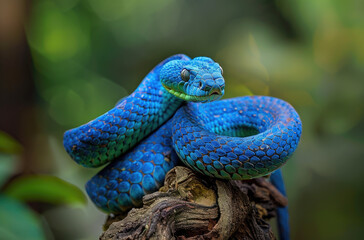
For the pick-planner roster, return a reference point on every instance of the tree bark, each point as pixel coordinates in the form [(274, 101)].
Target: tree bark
[(192, 206)]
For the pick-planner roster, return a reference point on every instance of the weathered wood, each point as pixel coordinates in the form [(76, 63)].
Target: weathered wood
[(191, 206)]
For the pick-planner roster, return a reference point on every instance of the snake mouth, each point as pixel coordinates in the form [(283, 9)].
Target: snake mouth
[(212, 96), (215, 92)]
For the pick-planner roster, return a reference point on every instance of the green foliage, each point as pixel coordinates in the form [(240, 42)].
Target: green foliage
[(18, 221), (87, 54), (8, 148), (8, 144), (7, 167), (47, 189)]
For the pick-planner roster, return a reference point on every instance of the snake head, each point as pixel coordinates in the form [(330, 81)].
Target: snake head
[(196, 80)]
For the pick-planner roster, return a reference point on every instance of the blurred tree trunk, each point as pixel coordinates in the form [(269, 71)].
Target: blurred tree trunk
[(17, 88), (191, 206)]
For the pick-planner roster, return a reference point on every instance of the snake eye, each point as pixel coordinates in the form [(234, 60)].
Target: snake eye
[(222, 72), (185, 75)]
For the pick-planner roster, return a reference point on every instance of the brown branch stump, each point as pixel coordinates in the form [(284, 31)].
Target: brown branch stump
[(192, 206)]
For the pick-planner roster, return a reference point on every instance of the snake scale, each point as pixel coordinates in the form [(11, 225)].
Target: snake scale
[(160, 123)]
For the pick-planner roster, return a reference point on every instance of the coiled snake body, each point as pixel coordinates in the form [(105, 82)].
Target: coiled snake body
[(239, 138)]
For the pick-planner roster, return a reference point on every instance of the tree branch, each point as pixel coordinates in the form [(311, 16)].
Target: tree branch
[(191, 206)]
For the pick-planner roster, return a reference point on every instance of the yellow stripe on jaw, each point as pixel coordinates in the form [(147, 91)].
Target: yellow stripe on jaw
[(188, 97)]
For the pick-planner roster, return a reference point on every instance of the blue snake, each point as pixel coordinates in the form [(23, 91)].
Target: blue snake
[(175, 114)]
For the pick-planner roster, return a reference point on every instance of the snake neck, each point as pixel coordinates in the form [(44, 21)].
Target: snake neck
[(162, 104), (170, 103)]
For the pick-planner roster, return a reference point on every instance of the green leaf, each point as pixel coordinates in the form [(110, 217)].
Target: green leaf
[(17, 221), (8, 144), (7, 167), (43, 188)]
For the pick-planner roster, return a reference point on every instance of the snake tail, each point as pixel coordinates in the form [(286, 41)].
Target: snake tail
[(276, 179)]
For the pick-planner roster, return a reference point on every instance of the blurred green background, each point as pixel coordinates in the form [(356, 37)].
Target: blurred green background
[(65, 62)]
